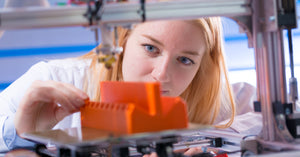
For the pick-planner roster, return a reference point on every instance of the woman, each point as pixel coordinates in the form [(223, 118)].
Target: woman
[(186, 57)]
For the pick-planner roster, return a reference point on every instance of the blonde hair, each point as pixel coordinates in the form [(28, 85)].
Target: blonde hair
[(204, 96)]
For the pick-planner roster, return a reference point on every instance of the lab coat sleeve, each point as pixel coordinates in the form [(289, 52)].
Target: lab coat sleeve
[(245, 95), (246, 120), (249, 123), (9, 102), (11, 138)]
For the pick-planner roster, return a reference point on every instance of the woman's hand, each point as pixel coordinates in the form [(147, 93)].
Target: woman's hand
[(45, 104), (189, 151)]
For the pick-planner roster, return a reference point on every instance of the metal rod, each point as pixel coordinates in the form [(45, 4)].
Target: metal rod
[(269, 57), (120, 13)]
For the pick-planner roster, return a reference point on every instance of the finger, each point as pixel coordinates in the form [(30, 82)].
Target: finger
[(21, 152), (193, 151), (69, 97), (48, 93), (54, 92), (181, 150), (39, 105), (79, 92), (76, 97), (153, 154), (61, 113)]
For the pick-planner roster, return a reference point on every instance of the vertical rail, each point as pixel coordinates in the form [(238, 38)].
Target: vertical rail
[(270, 68)]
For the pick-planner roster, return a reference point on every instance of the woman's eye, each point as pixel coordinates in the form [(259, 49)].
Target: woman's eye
[(185, 61), (150, 48)]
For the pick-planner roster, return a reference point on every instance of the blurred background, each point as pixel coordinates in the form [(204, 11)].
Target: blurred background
[(20, 49)]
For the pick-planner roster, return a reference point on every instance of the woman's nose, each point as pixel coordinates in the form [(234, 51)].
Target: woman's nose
[(161, 71)]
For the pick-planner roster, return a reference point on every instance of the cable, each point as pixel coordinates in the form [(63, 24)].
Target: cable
[(143, 11), (291, 52)]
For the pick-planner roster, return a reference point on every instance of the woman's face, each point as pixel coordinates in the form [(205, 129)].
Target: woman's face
[(168, 52)]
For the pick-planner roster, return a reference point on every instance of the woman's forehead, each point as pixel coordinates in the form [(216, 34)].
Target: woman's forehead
[(170, 28), (179, 36), (165, 23)]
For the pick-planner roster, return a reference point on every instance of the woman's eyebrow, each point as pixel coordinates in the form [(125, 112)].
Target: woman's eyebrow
[(194, 53), (154, 40)]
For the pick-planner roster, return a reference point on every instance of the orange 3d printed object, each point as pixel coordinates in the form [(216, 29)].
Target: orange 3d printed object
[(130, 107)]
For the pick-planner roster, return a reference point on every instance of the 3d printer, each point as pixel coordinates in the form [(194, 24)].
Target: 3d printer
[(263, 22)]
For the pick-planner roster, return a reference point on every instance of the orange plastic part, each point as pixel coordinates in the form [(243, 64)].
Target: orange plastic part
[(131, 107)]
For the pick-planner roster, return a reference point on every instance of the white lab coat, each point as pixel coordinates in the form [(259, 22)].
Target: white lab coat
[(68, 71), (72, 71)]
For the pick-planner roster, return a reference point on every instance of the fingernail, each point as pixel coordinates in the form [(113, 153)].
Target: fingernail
[(84, 96), (80, 102)]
